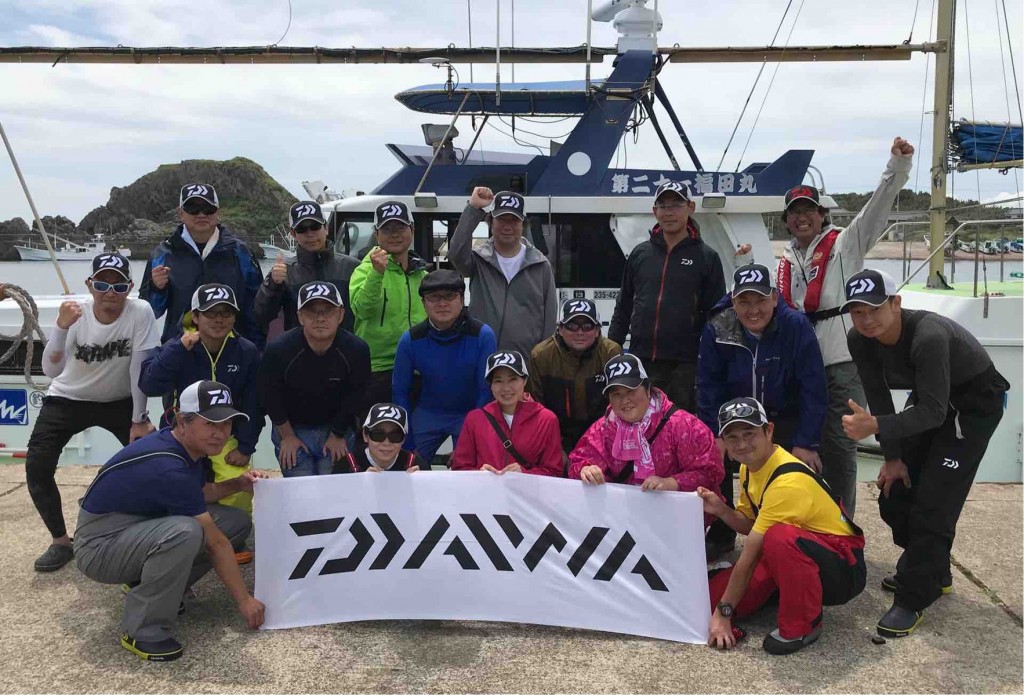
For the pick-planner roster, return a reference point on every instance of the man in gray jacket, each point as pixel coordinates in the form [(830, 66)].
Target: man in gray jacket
[(315, 259), (812, 276), (511, 286)]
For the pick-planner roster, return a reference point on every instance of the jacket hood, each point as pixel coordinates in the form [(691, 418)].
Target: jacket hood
[(526, 411), (692, 234), (726, 325), (225, 240)]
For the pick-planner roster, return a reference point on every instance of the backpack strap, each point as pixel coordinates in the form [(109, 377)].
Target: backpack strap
[(506, 442), (627, 471), (797, 467)]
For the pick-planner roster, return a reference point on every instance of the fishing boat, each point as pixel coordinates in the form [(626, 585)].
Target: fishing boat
[(66, 250)]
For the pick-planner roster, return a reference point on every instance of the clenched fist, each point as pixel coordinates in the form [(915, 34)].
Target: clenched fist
[(160, 276), (481, 197), (901, 147), (379, 259), (190, 340), (70, 312)]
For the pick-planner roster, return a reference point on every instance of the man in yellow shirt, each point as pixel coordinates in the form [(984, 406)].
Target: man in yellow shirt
[(799, 541)]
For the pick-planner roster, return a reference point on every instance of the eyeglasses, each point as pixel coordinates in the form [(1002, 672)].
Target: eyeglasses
[(219, 314), (670, 206), (579, 327), (192, 207), (736, 411), (319, 313), (394, 229), (307, 227), (801, 209), (118, 287), (393, 436), (441, 297)]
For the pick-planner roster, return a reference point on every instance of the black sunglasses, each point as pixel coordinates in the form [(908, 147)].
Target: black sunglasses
[(198, 208), (393, 436), (118, 287), (309, 226), (735, 412)]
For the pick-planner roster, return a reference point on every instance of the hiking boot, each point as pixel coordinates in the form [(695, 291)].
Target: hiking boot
[(776, 644), (899, 622), (889, 583), (165, 650), (128, 586), (55, 557)]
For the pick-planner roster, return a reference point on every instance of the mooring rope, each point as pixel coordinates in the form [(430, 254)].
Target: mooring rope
[(29, 327)]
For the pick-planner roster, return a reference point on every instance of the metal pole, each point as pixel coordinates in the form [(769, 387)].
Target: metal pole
[(940, 132), (905, 266), (977, 235), (437, 150), (497, 59), (475, 138), (590, 9), (648, 106), (35, 213)]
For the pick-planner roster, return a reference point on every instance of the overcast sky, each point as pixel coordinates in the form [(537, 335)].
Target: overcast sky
[(79, 130)]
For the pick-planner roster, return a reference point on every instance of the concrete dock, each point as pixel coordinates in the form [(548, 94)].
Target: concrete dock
[(60, 632)]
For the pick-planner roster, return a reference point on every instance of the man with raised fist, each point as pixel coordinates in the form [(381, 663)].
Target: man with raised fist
[(511, 285), (933, 447), (94, 357)]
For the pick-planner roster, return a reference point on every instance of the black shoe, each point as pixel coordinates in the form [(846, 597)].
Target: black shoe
[(899, 622), (55, 557), (128, 586), (775, 644), (164, 650), (889, 584)]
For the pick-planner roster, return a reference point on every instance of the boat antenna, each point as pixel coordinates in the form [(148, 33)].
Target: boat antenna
[(35, 213)]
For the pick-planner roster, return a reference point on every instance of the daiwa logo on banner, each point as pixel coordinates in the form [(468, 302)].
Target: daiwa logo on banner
[(13, 407)]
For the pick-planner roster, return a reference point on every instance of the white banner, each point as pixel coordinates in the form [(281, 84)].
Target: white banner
[(477, 546)]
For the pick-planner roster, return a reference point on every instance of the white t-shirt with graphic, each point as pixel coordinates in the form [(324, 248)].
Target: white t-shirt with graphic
[(98, 356), (510, 267)]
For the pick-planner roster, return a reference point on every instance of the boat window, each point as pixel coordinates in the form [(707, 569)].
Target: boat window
[(584, 251)]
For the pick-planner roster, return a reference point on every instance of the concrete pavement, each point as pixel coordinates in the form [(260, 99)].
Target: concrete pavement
[(60, 632)]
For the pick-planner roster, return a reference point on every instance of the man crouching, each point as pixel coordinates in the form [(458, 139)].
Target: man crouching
[(149, 515), (800, 543)]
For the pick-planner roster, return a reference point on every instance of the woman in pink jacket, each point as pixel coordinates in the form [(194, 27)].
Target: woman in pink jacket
[(644, 439), (512, 433)]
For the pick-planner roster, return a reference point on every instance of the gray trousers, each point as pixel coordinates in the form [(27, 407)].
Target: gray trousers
[(837, 451), (165, 555)]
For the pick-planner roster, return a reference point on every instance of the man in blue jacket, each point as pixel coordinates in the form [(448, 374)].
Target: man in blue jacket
[(447, 355), (754, 345), (201, 250), (212, 352)]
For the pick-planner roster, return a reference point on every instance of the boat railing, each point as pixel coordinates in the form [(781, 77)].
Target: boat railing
[(951, 237)]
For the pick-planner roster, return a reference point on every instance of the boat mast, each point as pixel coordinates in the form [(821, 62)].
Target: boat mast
[(940, 135)]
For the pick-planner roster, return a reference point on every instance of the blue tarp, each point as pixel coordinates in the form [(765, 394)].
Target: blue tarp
[(566, 98), (982, 142)]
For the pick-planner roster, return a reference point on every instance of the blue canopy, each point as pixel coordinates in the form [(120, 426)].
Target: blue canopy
[(982, 142), (565, 98)]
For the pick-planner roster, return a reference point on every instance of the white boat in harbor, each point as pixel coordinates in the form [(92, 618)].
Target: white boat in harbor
[(66, 250)]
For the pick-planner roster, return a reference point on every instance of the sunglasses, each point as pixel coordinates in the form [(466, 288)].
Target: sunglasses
[(118, 287), (735, 412), (307, 227), (579, 327), (393, 436), (192, 207)]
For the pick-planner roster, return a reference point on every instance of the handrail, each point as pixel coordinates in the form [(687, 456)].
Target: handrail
[(952, 235)]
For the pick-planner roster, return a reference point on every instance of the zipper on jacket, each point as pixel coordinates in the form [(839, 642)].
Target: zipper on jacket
[(408, 299), (657, 307), (384, 308)]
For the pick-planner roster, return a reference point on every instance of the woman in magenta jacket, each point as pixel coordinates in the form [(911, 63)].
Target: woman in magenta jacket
[(645, 440), (512, 433)]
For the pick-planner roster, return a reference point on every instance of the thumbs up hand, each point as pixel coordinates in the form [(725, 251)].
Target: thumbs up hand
[(279, 273), (861, 424)]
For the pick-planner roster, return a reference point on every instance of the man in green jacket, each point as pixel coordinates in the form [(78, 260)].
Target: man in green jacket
[(384, 292)]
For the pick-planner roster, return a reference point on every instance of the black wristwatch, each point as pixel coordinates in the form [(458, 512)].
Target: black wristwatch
[(726, 609)]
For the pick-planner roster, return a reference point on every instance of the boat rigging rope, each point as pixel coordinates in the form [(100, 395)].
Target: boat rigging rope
[(29, 327)]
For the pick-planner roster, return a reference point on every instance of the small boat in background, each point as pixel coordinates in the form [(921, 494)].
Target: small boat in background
[(66, 250)]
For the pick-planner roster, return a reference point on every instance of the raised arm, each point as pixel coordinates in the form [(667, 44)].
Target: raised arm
[(867, 227)]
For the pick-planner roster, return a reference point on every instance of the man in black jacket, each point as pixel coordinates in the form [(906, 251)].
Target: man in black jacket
[(315, 259), (668, 286), (933, 447)]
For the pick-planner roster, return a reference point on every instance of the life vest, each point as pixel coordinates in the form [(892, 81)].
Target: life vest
[(815, 280)]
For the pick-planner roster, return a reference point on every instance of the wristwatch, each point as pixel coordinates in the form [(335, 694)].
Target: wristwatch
[(726, 609), (143, 417)]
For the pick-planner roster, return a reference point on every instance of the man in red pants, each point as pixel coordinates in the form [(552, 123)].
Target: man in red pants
[(800, 542)]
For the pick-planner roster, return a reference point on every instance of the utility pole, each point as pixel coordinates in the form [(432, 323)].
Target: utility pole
[(940, 134)]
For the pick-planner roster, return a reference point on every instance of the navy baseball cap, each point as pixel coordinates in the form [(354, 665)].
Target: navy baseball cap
[(387, 412), (624, 370), (210, 400), (305, 210), (677, 187), (112, 261), (506, 358), (319, 290), (391, 210), (873, 287), (571, 308), (203, 191), (211, 294), (509, 203), (753, 277)]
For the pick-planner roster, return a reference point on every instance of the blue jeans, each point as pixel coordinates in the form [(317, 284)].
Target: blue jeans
[(315, 462), (431, 429)]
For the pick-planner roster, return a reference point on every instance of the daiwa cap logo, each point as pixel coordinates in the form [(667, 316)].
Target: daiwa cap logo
[(860, 286), (619, 369), (504, 359), (219, 396), (314, 291), (111, 262), (577, 305), (304, 210), (749, 277), (388, 412), (217, 293), (197, 189), (510, 202), (391, 210)]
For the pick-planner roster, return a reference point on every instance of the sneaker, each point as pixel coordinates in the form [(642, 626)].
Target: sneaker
[(898, 622), (164, 650), (244, 557), (889, 584), (128, 586), (778, 645), (55, 557)]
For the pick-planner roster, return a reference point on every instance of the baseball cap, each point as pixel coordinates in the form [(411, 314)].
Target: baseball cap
[(506, 358), (748, 410), (210, 295), (210, 400), (677, 187), (624, 370), (198, 190), (571, 308), (802, 193), (872, 287), (391, 210), (319, 289), (753, 277), (305, 210), (442, 280), (112, 261), (509, 203), (387, 412)]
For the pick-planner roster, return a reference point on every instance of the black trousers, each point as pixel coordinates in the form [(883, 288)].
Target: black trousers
[(59, 420), (377, 391), (676, 379), (942, 464)]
